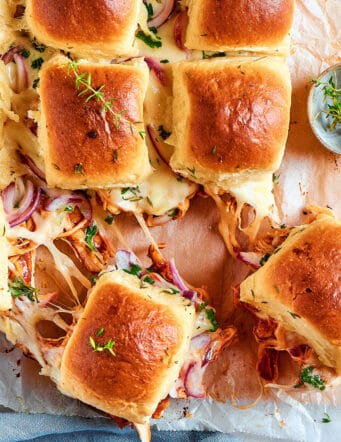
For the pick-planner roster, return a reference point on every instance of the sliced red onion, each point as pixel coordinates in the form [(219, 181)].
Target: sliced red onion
[(154, 139), (194, 381), (124, 259), (163, 14), (72, 199), (179, 30), (51, 297), (250, 258), (176, 277), (31, 164), (200, 342), (190, 294), (25, 206), (22, 75), (7, 57), (158, 70)]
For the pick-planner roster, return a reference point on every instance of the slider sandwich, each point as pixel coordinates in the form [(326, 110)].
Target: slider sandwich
[(295, 296), (138, 335), (261, 26), (230, 125)]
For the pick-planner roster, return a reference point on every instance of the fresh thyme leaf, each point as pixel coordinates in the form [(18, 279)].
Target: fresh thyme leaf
[(264, 259), (109, 219), (69, 208), (173, 212), (202, 306), (38, 46), (36, 64), (211, 317), (294, 315), (205, 55), (326, 418), (93, 279), (164, 61), (307, 377), (78, 169), (25, 53), (149, 39), (171, 291), (275, 178), (131, 194), (332, 97), (115, 155), (191, 170), (100, 332), (134, 270), (164, 134), (18, 288), (89, 236), (214, 150), (149, 280), (100, 348), (149, 201)]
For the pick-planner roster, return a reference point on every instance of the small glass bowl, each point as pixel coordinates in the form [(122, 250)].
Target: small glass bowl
[(318, 119)]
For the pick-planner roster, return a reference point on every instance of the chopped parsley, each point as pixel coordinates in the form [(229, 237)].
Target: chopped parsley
[(115, 155), (307, 377), (326, 418), (109, 219), (93, 279), (150, 10), (38, 46), (18, 288), (149, 280), (164, 61), (69, 208), (173, 212), (35, 83), (131, 194), (264, 259), (211, 317), (294, 315), (171, 291), (25, 52), (36, 64), (153, 41), (135, 269), (202, 306), (89, 236), (205, 55), (164, 134)]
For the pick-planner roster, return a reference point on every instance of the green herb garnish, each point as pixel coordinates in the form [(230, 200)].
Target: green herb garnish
[(164, 61), (205, 55), (109, 219), (149, 280), (35, 83), (131, 194), (173, 212), (78, 168), (164, 134), (211, 317), (38, 46), (89, 236), (171, 291), (264, 259), (69, 208), (202, 306), (36, 64), (25, 52), (307, 377), (150, 10), (326, 418), (332, 97), (294, 315), (18, 288), (134, 270), (99, 347), (151, 40)]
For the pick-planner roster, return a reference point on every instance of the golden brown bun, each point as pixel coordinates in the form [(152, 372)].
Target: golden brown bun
[(230, 118), (235, 25), (299, 286), (5, 296), (84, 146), (152, 331), (85, 28)]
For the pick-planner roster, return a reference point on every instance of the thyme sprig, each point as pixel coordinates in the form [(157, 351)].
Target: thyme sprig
[(333, 94), (83, 84), (101, 347)]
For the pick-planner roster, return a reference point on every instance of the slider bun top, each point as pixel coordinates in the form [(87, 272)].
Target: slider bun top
[(235, 25), (300, 287), (86, 147), (87, 28), (151, 330), (230, 118)]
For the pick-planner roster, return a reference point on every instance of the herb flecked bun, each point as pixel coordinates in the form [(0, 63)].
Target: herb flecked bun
[(235, 25), (127, 348), (91, 127), (299, 286), (85, 28)]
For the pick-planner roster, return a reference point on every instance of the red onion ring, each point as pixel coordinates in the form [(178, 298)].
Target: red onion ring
[(193, 381), (180, 24), (158, 70), (73, 199), (163, 14), (26, 205), (22, 75), (7, 57), (31, 164), (124, 259), (250, 258), (155, 142)]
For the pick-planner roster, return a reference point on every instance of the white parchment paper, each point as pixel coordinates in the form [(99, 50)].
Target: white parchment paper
[(309, 175)]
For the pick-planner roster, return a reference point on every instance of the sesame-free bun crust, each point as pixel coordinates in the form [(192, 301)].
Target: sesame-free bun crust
[(235, 25), (231, 118), (152, 331), (300, 287), (86, 28), (84, 146)]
